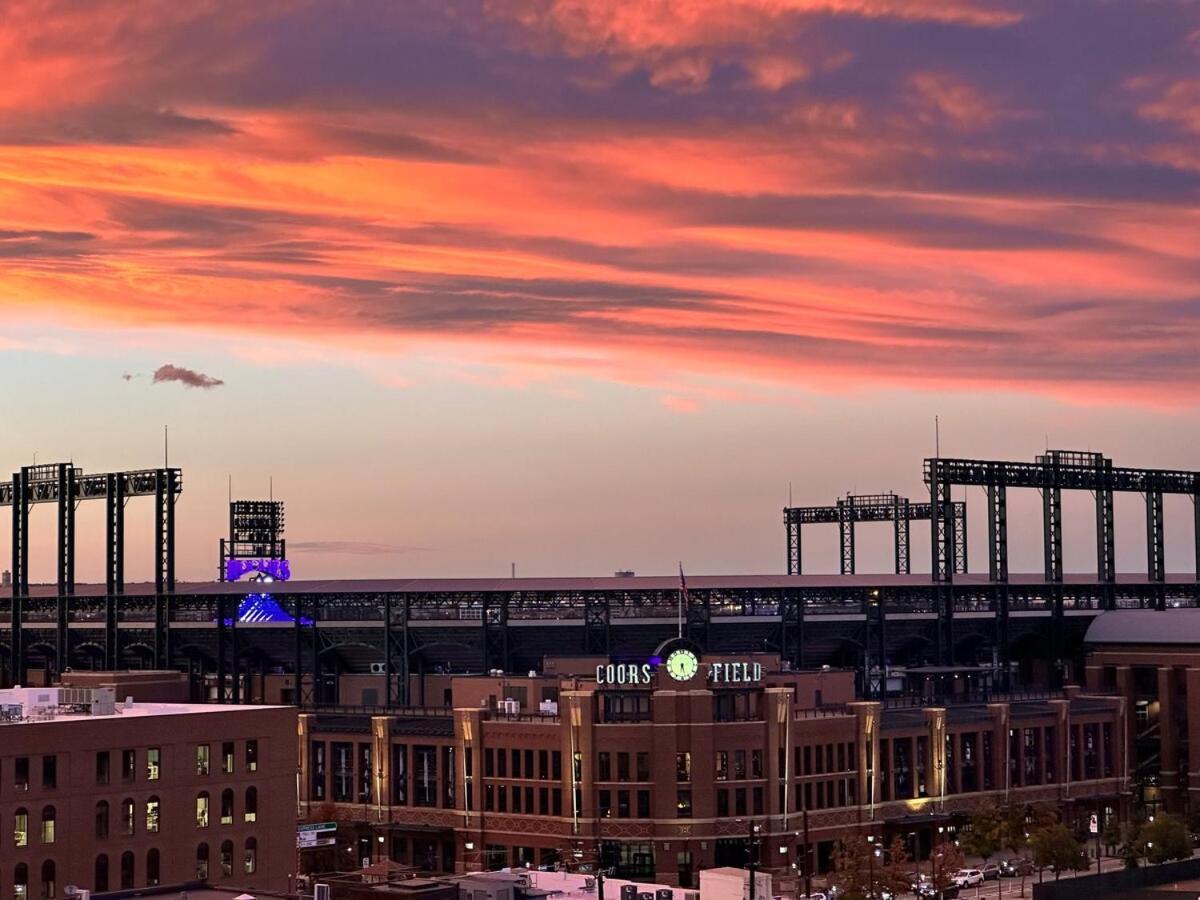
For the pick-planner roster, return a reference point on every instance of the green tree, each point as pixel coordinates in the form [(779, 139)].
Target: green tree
[(1056, 849), (1164, 839), (1112, 834), (945, 860), (1013, 826), (985, 834)]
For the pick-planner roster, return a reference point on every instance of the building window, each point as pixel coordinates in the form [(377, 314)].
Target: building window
[(643, 767), (605, 803), (153, 763), (626, 706), (227, 758), (100, 874), (343, 772), (543, 764), (202, 813), (227, 859), (425, 775), (365, 793), (127, 816), (251, 756), (152, 867), (683, 805), (623, 804), (448, 776), (49, 887), (21, 773), (756, 795), (152, 813), (49, 772), (48, 817), (756, 764), (102, 773), (622, 767), (643, 804), (399, 775), (722, 772), (126, 870), (102, 820), (202, 761), (202, 862), (251, 857), (739, 802), (683, 766), (227, 806), (250, 814), (128, 765), (722, 803), (21, 881), (21, 828), (316, 772), (603, 766)]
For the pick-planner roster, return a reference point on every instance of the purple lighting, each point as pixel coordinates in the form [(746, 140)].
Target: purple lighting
[(278, 569)]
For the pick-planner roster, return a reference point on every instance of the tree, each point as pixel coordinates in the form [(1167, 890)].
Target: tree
[(985, 834), (1056, 849), (1164, 839), (1013, 826), (946, 859), (1111, 836), (865, 868)]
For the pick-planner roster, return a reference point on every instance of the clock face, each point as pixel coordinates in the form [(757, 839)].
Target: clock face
[(682, 665)]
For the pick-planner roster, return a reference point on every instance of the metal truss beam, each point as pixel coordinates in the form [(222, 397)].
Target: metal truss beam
[(495, 632), (596, 625), (854, 508), (1052, 473), (699, 617), (1156, 568)]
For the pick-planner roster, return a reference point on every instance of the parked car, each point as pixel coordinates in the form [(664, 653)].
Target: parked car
[(990, 871), (967, 878), (1011, 868), (812, 896)]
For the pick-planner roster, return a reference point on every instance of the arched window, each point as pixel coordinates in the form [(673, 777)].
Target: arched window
[(102, 821), (100, 874), (152, 867), (128, 816), (227, 806), (21, 881), (49, 888), (226, 859), (48, 816), (21, 827), (152, 815), (202, 862), (126, 870), (250, 814), (251, 856), (202, 811)]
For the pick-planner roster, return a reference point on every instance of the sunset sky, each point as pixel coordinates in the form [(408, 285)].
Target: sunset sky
[(584, 284)]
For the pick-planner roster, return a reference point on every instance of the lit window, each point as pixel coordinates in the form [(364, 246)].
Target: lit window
[(128, 816), (251, 856), (202, 810), (153, 763), (21, 828), (48, 816), (152, 812), (202, 759), (250, 814), (251, 756)]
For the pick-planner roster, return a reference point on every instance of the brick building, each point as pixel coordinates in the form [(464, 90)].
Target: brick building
[(663, 769), (109, 796)]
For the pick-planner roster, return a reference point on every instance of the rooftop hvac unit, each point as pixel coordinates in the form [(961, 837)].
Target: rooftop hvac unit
[(645, 895), (664, 894), (589, 883), (629, 892), (321, 892), (378, 668)]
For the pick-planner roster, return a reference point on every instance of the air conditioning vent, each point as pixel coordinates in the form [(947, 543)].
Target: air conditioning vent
[(378, 668)]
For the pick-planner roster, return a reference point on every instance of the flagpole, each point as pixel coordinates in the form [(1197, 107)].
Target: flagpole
[(682, 594)]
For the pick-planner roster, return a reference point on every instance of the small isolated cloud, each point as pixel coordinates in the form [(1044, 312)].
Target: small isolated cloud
[(353, 548), (129, 376), (186, 377)]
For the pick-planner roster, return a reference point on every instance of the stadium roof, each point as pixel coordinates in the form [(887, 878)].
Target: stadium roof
[(567, 584), (1145, 626)]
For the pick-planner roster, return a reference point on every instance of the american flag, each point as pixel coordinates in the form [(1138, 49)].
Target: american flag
[(682, 582)]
